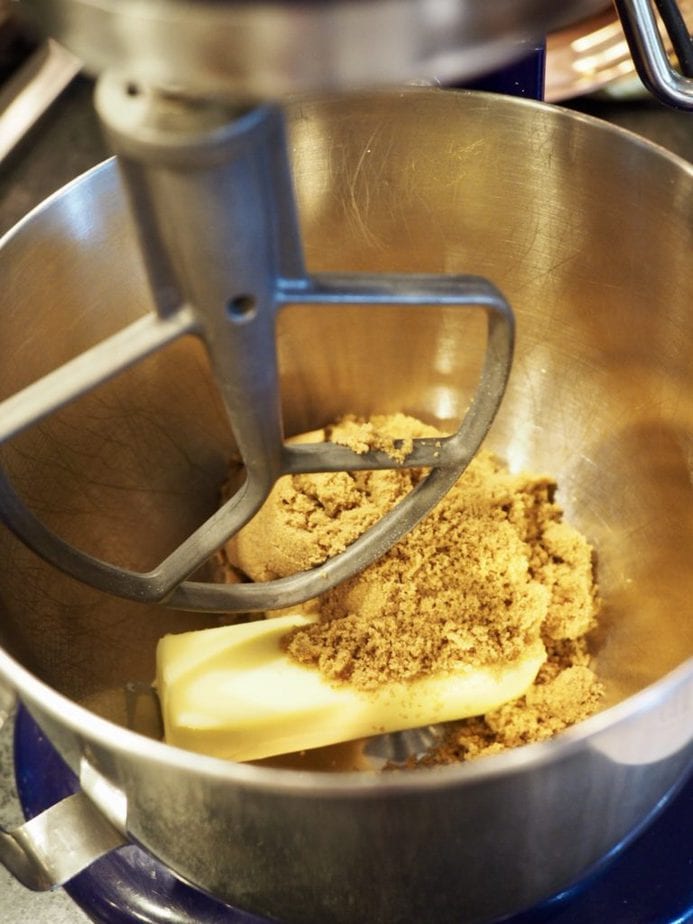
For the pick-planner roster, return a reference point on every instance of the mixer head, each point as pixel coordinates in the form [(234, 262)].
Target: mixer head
[(183, 98), (264, 49)]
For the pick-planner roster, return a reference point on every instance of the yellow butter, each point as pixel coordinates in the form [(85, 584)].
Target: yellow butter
[(232, 692)]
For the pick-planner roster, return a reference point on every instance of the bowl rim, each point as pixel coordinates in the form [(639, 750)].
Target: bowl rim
[(88, 725)]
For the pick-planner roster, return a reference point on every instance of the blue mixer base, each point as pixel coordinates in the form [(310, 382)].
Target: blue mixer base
[(648, 882)]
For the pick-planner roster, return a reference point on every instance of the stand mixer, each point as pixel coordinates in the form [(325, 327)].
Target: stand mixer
[(186, 124)]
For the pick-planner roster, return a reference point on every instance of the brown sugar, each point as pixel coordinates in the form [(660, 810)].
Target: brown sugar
[(378, 433), (566, 691), (491, 570), (308, 518)]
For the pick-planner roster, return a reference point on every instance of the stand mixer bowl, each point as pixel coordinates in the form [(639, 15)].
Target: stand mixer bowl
[(588, 231)]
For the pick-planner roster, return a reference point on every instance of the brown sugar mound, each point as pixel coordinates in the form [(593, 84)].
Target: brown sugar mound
[(492, 569), (308, 518)]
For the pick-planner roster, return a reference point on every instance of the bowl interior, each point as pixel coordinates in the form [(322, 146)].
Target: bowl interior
[(585, 229)]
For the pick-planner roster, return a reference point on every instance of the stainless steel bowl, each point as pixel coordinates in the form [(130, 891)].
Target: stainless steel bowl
[(588, 232)]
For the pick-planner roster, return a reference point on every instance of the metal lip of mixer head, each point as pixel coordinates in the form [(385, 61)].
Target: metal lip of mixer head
[(264, 50)]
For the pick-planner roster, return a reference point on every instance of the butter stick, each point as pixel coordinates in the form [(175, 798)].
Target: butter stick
[(232, 692)]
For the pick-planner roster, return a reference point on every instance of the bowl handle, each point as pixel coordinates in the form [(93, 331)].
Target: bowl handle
[(52, 847)]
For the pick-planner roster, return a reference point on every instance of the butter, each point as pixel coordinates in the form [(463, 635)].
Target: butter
[(232, 692)]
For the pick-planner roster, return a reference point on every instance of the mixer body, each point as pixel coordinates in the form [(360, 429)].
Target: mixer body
[(265, 49), (600, 397)]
